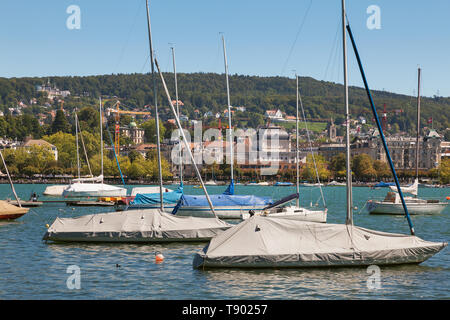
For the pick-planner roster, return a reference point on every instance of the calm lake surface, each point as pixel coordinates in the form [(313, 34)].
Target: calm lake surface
[(32, 269)]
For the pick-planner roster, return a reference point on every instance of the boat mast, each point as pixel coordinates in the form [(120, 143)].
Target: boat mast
[(178, 112), (418, 125), (199, 176), (230, 132), (10, 181), (101, 136), (349, 219), (76, 138), (158, 147), (296, 148)]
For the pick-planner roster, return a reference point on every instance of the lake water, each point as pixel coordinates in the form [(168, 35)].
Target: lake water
[(33, 269)]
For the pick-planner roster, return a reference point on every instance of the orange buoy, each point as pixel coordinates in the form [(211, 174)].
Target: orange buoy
[(159, 258), (448, 198)]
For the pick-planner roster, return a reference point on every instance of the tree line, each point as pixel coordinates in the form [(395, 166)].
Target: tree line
[(203, 92)]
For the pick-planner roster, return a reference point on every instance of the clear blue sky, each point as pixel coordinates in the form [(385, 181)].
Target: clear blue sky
[(263, 38)]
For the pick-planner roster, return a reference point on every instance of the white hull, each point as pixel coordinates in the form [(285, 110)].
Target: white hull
[(168, 208), (294, 213), (94, 190), (222, 212), (381, 207)]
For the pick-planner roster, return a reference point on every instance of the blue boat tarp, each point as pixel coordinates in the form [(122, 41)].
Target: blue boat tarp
[(384, 184), (225, 200), (154, 198), (283, 184), (230, 189)]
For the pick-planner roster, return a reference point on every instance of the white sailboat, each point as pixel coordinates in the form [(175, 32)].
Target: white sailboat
[(261, 242), (295, 212), (79, 187), (57, 190), (391, 204), (148, 225)]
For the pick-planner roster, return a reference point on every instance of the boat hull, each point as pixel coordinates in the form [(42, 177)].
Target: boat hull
[(325, 260), (96, 193), (379, 207), (11, 216), (222, 212), (168, 208)]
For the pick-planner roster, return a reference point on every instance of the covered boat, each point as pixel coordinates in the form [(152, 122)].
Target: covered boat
[(149, 225), (9, 211), (261, 242), (226, 206), (55, 190), (153, 200)]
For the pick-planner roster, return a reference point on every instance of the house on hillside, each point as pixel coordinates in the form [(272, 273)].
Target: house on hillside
[(274, 115), (41, 143)]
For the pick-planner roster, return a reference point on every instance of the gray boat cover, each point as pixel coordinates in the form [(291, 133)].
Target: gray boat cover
[(277, 242), (148, 225)]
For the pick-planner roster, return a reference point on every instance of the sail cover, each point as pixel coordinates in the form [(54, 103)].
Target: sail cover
[(277, 242), (154, 198), (219, 200), (384, 184), (149, 225)]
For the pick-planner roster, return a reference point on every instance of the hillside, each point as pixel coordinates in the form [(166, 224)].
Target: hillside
[(207, 92)]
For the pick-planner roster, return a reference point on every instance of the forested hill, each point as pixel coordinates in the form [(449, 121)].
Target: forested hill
[(207, 92)]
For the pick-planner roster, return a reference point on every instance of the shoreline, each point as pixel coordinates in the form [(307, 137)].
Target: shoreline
[(61, 181)]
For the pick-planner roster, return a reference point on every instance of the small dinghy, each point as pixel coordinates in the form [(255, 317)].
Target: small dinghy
[(262, 242), (150, 225)]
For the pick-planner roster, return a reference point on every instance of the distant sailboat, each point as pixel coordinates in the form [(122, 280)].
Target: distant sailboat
[(392, 203), (57, 190), (262, 242), (97, 188)]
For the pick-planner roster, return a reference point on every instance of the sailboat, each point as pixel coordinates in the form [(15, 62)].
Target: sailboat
[(7, 210), (97, 188), (392, 202), (227, 205), (261, 242), (147, 225), (295, 212), (57, 190)]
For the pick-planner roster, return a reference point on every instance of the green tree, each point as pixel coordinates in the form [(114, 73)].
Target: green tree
[(338, 165), (60, 124), (150, 130), (308, 171), (362, 166), (444, 171)]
